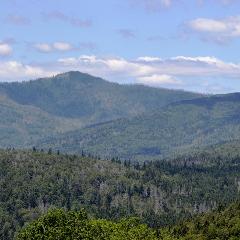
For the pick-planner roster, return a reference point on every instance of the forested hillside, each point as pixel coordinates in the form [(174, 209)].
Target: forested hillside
[(222, 224), (177, 128), (21, 125), (160, 193), (40, 108), (89, 98), (163, 156)]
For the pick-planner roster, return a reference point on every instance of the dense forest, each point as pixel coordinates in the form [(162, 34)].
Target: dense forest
[(160, 193), (74, 111), (176, 128), (126, 154), (33, 110), (222, 224)]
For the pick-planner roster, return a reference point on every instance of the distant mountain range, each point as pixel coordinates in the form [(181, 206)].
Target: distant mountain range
[(74, 111), (44, 107), (177, 128)]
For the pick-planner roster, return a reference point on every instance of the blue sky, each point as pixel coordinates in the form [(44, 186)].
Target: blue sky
[(185, 44)]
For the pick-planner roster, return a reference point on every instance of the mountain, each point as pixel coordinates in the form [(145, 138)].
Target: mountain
[(176, 128), (21, 124), (92, 99), (160, 193), (43, 107)]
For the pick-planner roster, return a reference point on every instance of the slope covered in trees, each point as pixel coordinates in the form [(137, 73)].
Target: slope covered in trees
[(222, 224), (20, 124), (36, 109), (177, 128), (91, 99), (160, 193), (143, 123)]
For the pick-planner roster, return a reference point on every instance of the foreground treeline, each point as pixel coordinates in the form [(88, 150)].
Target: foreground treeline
[(161, 193), (61, 225)]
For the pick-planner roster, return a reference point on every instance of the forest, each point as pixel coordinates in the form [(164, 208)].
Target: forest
[(119, 120), (221, 224), (159, 193), (127, 155)]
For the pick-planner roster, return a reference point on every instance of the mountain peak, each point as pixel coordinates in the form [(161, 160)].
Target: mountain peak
[(72, 74), (83, 96), (77, 76)]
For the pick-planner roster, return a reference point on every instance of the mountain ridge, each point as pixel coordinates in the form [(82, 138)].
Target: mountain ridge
[(78, 98), (78, 111), (176, 127)]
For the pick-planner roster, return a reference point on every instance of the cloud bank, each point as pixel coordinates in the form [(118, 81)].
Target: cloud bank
[(177, 72)]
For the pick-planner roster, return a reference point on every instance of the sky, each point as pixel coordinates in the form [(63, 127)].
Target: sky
[(179, 44)]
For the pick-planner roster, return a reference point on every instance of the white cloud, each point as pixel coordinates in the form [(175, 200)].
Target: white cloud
[(43, 47), (156, 79), (208, 25), (149, 59), (218, 30), (62, 46), (56, 46), (207, 60), (16, 71), (5, 49), (148, 66), (177, 72), (118, 66)]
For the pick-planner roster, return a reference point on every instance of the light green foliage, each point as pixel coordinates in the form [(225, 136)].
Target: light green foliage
[(61, 225), (161, 193)]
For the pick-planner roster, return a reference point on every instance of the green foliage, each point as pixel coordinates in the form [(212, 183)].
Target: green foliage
[(62, 225), (79, 95), (36, 109), (161, 192), (129, 121), (218, 225), (20, 124), (177, 128), (59, 224)]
